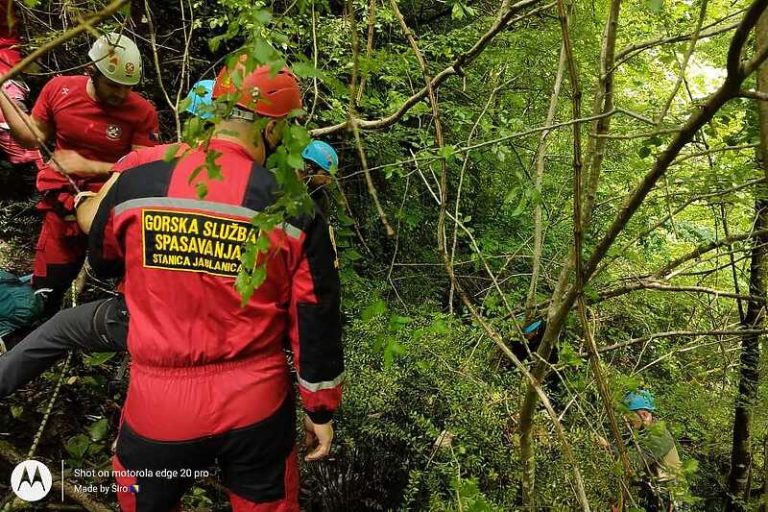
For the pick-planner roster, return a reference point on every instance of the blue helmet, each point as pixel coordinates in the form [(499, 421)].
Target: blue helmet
[(640, 399), (532, 327), (322, 154), (197, 101)]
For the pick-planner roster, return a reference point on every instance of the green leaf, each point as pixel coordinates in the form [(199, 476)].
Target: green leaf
[(98, 358), (77, 446), (397, 322), (520, 206), (447, 152), (378, 308), (295, 161), (306, 70), (201, 188), (263, 52), (655, 6), (170, 153), (393, 349), (98, 430), (16, 411)]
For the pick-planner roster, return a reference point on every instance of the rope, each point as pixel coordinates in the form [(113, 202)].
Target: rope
[(49, 409), (55, 396)]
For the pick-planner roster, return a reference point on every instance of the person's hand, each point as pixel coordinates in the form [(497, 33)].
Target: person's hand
[(68, 162), (318, 436)]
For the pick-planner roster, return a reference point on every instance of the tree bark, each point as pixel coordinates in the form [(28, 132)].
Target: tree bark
[(749, 373)]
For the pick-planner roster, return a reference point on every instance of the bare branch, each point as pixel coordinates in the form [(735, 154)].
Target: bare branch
[(672, 334), (353, 123), (369, 43), (735, 69), (455, 68), (702, 249), (85, 26), (684, 65), (755, 95), (538, 227), (158, 69), (631, 51), (658, 286)]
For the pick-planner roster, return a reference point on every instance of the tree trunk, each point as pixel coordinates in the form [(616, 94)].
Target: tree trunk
[(741, 453), (764, 494)]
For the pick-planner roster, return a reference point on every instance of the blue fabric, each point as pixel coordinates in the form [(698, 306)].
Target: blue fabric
[(528, 329), (19, 306), (197, 101), (322, 154), (641, 399)]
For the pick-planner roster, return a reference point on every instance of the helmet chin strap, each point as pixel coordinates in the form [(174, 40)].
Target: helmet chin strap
[(239, 114), (242, 115)]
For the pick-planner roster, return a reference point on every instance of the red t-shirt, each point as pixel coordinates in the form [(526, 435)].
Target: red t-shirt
[(95, 130)]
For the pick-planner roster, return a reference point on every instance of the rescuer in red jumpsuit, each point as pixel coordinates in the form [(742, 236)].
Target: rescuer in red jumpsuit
[(209, 380)]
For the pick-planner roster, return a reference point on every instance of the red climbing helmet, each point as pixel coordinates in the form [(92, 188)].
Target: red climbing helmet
[(260, 91)]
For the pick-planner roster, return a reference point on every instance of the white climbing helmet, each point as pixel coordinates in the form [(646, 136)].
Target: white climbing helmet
[(118, 58)]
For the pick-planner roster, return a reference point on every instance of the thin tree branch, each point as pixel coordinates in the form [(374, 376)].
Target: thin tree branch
[(538, 227), (755, 95), (684, 65), (353, 123), (657, 286), (455, 68), (631, 51), (156, 60), (702, 249), (85, 26), (369, 43), (672, 334), (464, 165)]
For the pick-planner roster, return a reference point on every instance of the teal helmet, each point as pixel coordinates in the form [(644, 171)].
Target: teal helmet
[(640, 399), (201, 95), (322, 154), (532, 327)]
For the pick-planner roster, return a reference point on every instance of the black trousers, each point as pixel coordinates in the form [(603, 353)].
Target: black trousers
[(100, 326), (256, 464)]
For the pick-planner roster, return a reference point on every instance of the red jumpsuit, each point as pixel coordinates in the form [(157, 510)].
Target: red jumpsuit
[(97, 132), (209, 379)]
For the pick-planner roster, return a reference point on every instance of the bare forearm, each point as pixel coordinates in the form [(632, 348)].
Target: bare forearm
[(22, 125), (95, 168)]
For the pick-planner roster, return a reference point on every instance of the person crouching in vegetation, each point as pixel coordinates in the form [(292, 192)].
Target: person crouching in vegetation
[(652, 452)]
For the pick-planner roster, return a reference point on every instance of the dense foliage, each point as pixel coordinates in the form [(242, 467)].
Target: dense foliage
[(432, 411)]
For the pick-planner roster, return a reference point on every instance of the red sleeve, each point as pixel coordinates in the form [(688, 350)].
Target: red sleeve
[(147, 129), (132, 159), (105, 254), (146, 155), (43, 109), (315, 313)]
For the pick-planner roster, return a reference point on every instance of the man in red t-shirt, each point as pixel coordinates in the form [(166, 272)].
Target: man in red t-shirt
[(94, 121)]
